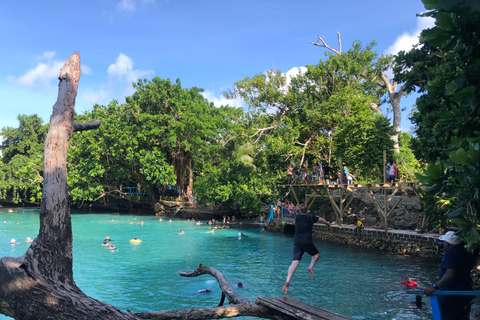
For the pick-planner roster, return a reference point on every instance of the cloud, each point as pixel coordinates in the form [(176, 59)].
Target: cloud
[(94, 97), (122, 69), (219, 101), (131, 5), (407, 40), (40, 77), (121, 74), (86, 69)]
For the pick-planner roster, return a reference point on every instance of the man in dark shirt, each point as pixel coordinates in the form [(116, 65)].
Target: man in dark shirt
[(454, 276), (303, 243)]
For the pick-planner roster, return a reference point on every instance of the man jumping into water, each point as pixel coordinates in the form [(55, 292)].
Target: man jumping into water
[(303, 243)]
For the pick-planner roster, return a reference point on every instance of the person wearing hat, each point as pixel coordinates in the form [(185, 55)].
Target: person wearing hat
[(454, 276)]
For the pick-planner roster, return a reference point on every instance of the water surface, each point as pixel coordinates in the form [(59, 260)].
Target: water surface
[(355, 282)]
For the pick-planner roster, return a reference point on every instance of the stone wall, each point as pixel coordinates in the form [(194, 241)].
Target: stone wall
[(396, 242)]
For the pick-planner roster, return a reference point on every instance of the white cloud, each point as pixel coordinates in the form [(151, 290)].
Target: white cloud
[(219, 101), (86, 69), (121, 74), (127, 5), (131, 5), (94, 97), (408, 39), (122, 69), (40, 77)]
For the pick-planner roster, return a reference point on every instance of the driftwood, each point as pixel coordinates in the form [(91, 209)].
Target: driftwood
[(242, 307), (40, 284)]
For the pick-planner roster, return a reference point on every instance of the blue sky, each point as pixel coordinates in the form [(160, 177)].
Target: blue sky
[(207, 44)]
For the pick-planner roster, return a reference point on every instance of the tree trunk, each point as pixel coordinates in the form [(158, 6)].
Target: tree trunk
[(395, 98), (40, 285)]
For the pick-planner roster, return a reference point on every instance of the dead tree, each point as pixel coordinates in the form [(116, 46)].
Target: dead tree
[(40, 284)]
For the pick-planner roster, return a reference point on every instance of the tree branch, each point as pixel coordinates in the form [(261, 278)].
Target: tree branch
[(86, 126), (325, 45), (224, 285)]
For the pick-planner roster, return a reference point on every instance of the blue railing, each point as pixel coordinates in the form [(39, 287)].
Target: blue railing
[(434, 299), (134, 190), (179, 190)]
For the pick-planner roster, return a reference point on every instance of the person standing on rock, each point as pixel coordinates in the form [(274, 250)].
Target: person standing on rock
[(303, 243)]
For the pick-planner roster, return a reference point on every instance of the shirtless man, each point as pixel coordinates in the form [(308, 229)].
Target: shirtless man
[(303, 243)]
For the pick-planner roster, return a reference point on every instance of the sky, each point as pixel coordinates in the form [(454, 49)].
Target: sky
[(207, 44)]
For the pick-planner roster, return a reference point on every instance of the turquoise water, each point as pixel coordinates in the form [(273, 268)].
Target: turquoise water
[(351, 281)]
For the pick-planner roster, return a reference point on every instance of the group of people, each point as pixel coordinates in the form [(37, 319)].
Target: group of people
[(321, 174)]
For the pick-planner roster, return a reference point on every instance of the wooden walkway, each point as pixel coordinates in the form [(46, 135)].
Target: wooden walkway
[(341, 195), (296, 309)]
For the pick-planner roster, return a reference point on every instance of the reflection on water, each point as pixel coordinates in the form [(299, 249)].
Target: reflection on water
[(348, 280)]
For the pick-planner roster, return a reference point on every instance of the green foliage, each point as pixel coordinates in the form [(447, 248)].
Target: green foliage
[(22, 161), (360, 141), (445, 69), (407, 163)]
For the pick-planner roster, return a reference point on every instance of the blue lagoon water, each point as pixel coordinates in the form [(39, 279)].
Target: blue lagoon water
[(351, 281)]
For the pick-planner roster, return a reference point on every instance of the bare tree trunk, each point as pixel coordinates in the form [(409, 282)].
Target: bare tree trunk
[(190, 172), (395, 98)]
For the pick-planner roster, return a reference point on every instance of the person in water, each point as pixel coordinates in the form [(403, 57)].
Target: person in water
[(181, 232), (303, 243), (409, 283), (203, 291), (418, 303)]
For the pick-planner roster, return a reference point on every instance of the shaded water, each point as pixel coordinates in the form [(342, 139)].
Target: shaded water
[(348, 280)]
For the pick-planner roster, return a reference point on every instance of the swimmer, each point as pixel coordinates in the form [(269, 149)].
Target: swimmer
[(13, 241), (4, 221), (105, 243), (202, 291), (134, 218), (111, 220), (198, 223), (16, 222), (130, 222), (211, 231), (28, 239), (10, 210), (107, 239), (141, 222), (111, 247), (170, 220), (240, 234), (181, 232), (238, 285), (160, 219), (409, 283)]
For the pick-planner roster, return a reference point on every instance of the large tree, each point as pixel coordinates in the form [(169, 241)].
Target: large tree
[(299, 116), (376, 71), (21, 174), (445, 69)]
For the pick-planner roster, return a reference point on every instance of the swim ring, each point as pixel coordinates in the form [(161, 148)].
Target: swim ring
[(135, 241)]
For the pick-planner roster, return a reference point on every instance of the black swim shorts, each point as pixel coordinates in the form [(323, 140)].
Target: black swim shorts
[(298, 251)]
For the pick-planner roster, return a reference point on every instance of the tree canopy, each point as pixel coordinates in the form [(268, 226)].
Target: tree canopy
[(444, 68)]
